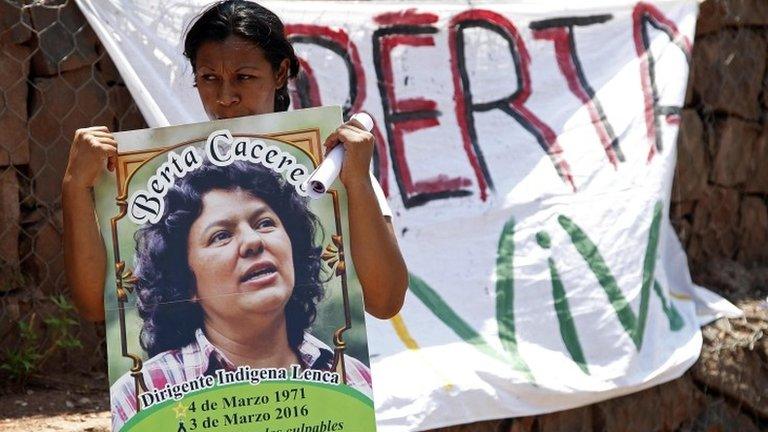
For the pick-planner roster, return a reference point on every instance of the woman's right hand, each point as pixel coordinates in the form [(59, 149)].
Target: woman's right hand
[(91, 148)]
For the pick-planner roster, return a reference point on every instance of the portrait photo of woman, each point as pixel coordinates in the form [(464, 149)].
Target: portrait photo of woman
[(231, 275)]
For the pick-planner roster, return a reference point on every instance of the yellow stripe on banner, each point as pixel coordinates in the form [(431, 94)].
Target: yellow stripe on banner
[(405, 337), (680, 296), (403, 333)]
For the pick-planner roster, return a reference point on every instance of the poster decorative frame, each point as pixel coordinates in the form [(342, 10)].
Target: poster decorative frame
[(128, 163)]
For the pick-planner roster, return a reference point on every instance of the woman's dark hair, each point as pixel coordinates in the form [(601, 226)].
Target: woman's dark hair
[(249, 21), (166, 284)]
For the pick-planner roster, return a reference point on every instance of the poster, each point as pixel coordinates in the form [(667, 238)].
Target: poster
[(231, 304)]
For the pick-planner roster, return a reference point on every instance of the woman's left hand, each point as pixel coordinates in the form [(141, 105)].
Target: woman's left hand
[(380, 269), (358, 146)]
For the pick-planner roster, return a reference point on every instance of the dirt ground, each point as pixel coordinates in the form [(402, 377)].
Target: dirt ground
[(61, 403)]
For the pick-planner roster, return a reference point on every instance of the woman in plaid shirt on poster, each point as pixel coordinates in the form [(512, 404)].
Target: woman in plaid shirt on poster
[(230, 276)]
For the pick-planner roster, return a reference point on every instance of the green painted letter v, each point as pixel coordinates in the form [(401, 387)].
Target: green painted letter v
[(633, 325), (449, 317)]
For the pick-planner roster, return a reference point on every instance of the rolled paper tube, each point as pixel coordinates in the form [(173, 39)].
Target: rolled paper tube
[(325, 174), (323, 177)]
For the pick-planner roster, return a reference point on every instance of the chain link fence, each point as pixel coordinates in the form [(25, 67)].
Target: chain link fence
[(55, 77)]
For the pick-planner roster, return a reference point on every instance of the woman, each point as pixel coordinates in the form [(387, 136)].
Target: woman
[(229, 276), (241, 62)]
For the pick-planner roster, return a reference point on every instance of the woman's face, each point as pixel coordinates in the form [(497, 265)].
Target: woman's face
[(235, 79), (241, 256)]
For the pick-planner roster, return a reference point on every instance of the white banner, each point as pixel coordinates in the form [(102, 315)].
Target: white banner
[(528, 153)]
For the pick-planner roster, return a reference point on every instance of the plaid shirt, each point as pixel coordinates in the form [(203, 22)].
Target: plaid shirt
[(201, 357)]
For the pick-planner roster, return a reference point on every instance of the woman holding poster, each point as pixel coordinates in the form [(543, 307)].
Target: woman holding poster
[(241, 61), (237, 303)]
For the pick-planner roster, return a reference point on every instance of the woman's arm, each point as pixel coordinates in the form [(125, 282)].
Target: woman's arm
[(375, 252), (84, 256), (379, 264)]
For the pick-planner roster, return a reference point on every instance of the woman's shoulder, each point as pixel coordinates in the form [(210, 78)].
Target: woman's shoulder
[(157, 366), (317, 348), (358, 375), (156, 372), (167, 367)]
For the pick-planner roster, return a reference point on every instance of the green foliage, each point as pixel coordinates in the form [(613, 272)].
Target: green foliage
[(38, 343), (13, 279)]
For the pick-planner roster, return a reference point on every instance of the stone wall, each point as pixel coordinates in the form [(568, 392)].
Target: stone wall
[(54, 78), (721, 188)]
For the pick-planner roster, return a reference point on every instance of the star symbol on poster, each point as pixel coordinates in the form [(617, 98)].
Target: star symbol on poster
[(180, 409)]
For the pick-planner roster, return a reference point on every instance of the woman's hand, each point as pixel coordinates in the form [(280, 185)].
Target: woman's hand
[(378, 261), (91, 148), (358, 146), (84, 255)]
